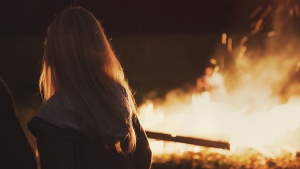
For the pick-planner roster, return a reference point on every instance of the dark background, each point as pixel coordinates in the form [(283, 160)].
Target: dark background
[(162, 44)]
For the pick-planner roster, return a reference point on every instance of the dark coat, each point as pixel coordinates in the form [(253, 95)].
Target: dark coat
[(15, 151), (62, 145)]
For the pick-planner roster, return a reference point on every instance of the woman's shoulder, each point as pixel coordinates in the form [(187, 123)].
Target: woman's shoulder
[(40, 127), (53, 118), (52, 104), (54, 111)]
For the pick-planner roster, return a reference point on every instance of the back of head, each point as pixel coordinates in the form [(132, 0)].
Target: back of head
[(78, 58), (76, 48)]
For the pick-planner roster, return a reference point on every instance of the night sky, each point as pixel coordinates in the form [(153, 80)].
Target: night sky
[(122, 17), (154, 39)]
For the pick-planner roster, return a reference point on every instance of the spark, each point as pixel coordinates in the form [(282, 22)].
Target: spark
[(258, 24), (213, 61), (243, 40), (229, 47), (224, 38), (291, 12), (242, 51), (271, 34), (255, 13), (267, 12), (297, 10)]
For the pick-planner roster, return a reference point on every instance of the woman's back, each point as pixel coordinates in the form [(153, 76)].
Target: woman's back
[(89, 117), (68, 149)]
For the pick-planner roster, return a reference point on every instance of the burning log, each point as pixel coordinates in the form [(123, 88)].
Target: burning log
[(188, 140)]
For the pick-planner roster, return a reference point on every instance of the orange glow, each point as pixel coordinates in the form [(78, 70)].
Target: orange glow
[(242, 51), (229, 46), (224, 38), (258, 24), (271, 34), (213, 61), (255, 12), (243, 40), (267, 12), (291, 12), (297, 10)]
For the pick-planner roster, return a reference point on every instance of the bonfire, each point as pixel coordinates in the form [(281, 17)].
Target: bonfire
[(259, 119)]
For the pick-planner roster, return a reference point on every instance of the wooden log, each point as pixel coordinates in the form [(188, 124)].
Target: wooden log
[(188, 140)]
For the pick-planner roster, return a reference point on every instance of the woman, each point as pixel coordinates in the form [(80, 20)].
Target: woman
[(15, 150), (88, 119)]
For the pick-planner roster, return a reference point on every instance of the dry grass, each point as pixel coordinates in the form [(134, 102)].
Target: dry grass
[(251, 159)]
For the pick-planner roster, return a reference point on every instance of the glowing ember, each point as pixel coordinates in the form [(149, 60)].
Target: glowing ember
[(224, 38)]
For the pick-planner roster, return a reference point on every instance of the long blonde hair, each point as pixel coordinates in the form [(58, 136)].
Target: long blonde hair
[(78, 58)]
